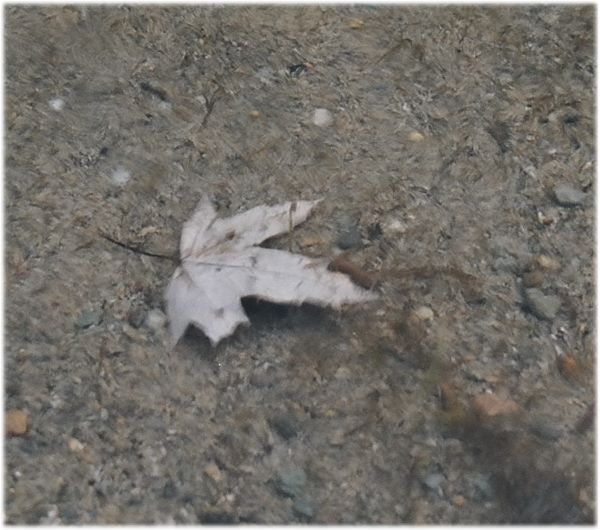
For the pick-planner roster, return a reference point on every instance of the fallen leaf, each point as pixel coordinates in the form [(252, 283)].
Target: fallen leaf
[(221, 264)]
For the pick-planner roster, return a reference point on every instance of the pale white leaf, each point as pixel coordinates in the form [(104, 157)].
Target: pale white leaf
[(221, 264)]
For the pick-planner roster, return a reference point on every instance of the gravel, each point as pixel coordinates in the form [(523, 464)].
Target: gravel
[(541, 305), (567, 195), (451, 128)]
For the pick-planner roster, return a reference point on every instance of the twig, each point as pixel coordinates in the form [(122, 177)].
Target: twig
[(136, 249)]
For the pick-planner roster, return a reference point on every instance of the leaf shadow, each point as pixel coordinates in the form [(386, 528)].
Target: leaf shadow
[(266, 316)]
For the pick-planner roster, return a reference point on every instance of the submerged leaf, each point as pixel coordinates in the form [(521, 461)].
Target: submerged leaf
[(221, 264)]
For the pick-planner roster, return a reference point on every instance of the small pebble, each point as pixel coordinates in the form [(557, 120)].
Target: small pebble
[(213, 471), (489, 405), (506, 264), (322, 118), (348, 233), (571, 367), (88, 319), (149, 230), (542, 306), (291, 481), (155, 320), (533, 279), (458, 501), (349, 239), (120, 176), (416, 137), (394, 226), (254, 114), (285, 424), (75, 445), (482, 487), (356, 23), (57, 104), (434, 481), (567, 195), (304, 507), (545, 431), (343, 373), (547, 263), (16, 422), (424, 313)]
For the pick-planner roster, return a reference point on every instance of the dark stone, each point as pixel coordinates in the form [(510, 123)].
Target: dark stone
[(136, 317), (169, 490), (304, 507), (290, 482), (567, 195), (542, 306), (285, 424), (88, 319)]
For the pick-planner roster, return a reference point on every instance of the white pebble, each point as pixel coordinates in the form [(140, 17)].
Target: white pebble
[(322, 118), (155, 320), (395, 226), (121, 176), (56, 104), (416, 137), (424, 313)]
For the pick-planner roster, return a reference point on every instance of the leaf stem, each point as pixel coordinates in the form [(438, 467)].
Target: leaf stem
[(137, 249)]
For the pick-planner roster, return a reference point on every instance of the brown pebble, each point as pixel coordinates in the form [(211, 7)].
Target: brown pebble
[(254, 114), (448, 396), (16, 422), (312, 242), (356, 23), (490, 405), (213, 471), (533, 279), (547, 263), (458, 501), (570, 367)]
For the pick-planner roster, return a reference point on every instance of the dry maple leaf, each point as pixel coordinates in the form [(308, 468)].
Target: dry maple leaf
[(220, 264)]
